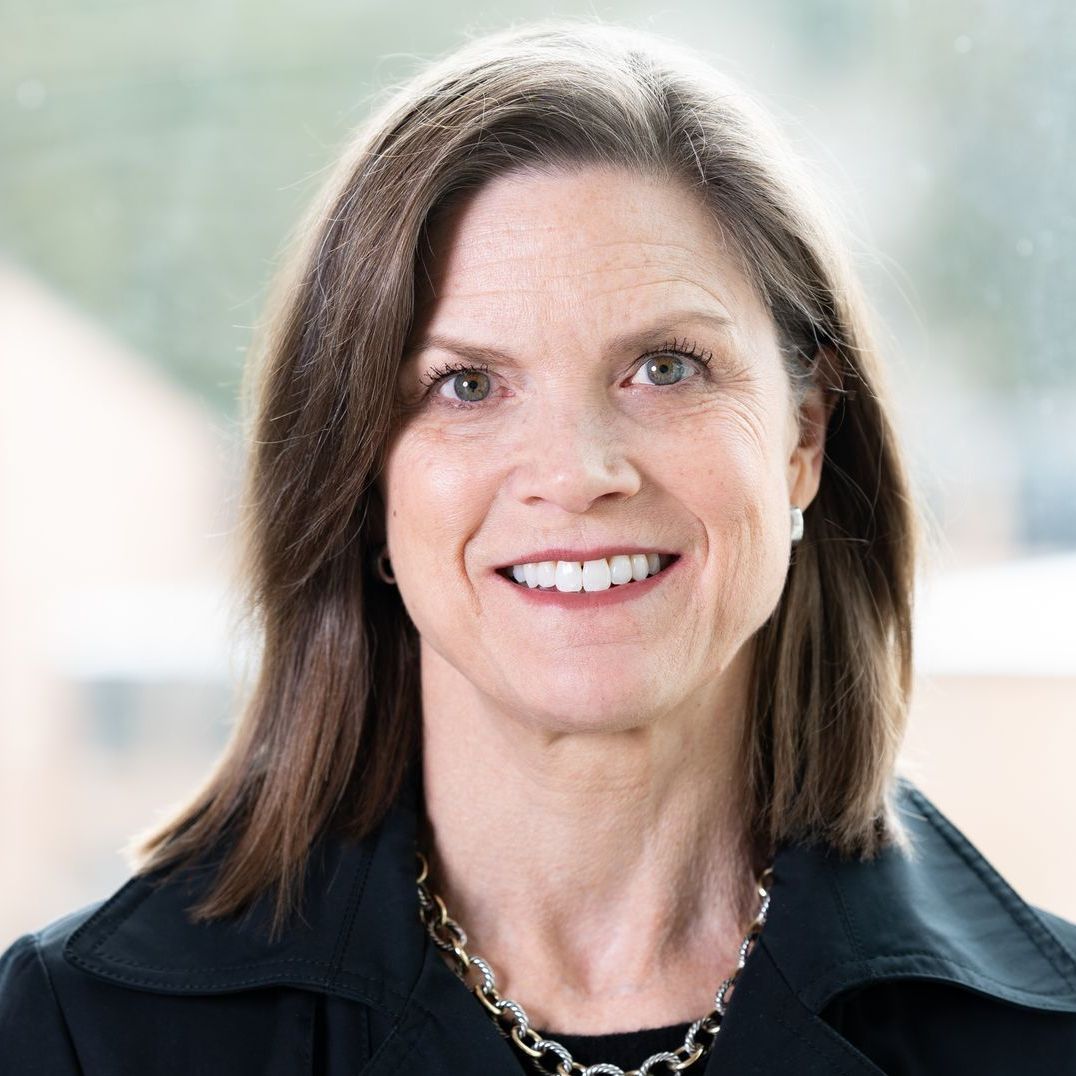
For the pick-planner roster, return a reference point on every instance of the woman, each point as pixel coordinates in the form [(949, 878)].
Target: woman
[(583, 551)]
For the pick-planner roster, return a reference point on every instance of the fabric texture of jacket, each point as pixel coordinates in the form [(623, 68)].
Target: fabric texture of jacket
[(923, 965)]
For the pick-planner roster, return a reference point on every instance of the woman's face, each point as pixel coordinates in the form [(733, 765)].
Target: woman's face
[(612, 388)]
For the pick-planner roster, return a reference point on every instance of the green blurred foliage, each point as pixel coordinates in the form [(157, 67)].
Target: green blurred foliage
[(155, 155)]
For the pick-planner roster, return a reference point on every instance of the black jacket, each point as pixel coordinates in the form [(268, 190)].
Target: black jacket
[(925, 965)]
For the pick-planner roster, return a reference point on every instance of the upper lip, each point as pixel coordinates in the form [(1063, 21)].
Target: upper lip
[(582, 555)]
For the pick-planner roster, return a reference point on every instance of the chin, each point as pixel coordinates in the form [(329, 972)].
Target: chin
[(575, 707)]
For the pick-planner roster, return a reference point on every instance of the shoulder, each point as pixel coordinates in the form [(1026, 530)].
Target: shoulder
[(1062, 930), (34, 1031), (944, 944), (60, 1018), (30, 962)]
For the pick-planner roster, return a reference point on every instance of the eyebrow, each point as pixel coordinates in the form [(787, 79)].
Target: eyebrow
[(668, 324)]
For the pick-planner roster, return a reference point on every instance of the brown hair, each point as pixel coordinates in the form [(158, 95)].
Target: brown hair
[(334, 714)]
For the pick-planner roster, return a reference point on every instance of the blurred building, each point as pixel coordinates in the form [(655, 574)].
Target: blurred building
[(992, 735), (116, 490)]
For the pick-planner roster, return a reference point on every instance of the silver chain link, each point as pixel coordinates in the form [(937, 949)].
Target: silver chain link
[(449, 936)]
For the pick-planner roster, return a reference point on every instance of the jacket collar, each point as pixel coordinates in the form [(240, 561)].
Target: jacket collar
[(943, 914)]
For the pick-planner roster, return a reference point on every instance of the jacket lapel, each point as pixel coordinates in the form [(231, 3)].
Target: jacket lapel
[(944, 914), (358, 935), (772, 1031)]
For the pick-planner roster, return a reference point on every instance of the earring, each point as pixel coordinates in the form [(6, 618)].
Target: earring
[(797, 524), (382, 566)]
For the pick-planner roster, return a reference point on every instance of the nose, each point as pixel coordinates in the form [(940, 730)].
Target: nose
[(570, 455)]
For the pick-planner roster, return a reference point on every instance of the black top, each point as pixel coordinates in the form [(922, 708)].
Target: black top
[(628, 1049), (926, 964)]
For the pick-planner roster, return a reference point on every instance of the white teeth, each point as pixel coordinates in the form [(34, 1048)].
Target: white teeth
[(569, 575), (592, 575), (596, 575)]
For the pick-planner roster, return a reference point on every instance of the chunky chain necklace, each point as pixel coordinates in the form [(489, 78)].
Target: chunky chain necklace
[(450, 936)]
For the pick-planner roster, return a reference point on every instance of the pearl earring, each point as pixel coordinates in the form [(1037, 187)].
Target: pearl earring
[(797, 524)]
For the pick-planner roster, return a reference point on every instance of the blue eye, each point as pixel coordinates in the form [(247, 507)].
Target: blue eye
[(468, 381), (665, 366), (660, 364)]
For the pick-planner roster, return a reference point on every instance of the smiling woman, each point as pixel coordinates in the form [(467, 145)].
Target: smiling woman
[(602, 429), (583, 550)]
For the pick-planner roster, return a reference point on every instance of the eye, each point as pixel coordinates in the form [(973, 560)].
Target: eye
[(472, 385), (468, 381), (666, 364), (663, 367)]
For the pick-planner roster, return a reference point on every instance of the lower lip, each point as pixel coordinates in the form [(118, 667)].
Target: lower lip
[(616, 594)]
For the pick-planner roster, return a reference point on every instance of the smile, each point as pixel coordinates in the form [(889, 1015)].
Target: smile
[(589, 584)]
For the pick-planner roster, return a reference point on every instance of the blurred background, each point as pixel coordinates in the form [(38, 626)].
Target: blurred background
[(154, 156)]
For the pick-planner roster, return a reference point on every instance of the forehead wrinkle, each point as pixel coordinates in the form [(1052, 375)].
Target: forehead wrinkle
[(662, 282), (478, 235), (566, 274), (457, 262), (516, 290), (679, 308)]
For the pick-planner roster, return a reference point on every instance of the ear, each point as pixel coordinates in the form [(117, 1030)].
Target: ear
[(375, 514), (808, 452)]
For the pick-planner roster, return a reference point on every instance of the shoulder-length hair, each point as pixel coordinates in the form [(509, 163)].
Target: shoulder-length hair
[(334, 715)]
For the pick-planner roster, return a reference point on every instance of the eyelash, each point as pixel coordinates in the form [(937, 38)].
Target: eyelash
[(433, 377)]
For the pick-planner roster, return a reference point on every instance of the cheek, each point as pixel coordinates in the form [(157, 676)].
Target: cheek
[(736, 487), (734, 457), (436, 495)]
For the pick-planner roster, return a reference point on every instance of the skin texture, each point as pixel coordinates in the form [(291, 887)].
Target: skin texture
[(580, 764)]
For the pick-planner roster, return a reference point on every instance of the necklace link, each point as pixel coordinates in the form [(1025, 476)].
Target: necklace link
[(450, 937)]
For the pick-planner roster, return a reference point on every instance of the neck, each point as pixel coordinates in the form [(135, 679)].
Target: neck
[(606, 876)]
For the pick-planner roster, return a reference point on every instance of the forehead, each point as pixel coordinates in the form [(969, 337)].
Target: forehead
[(590, 239)]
